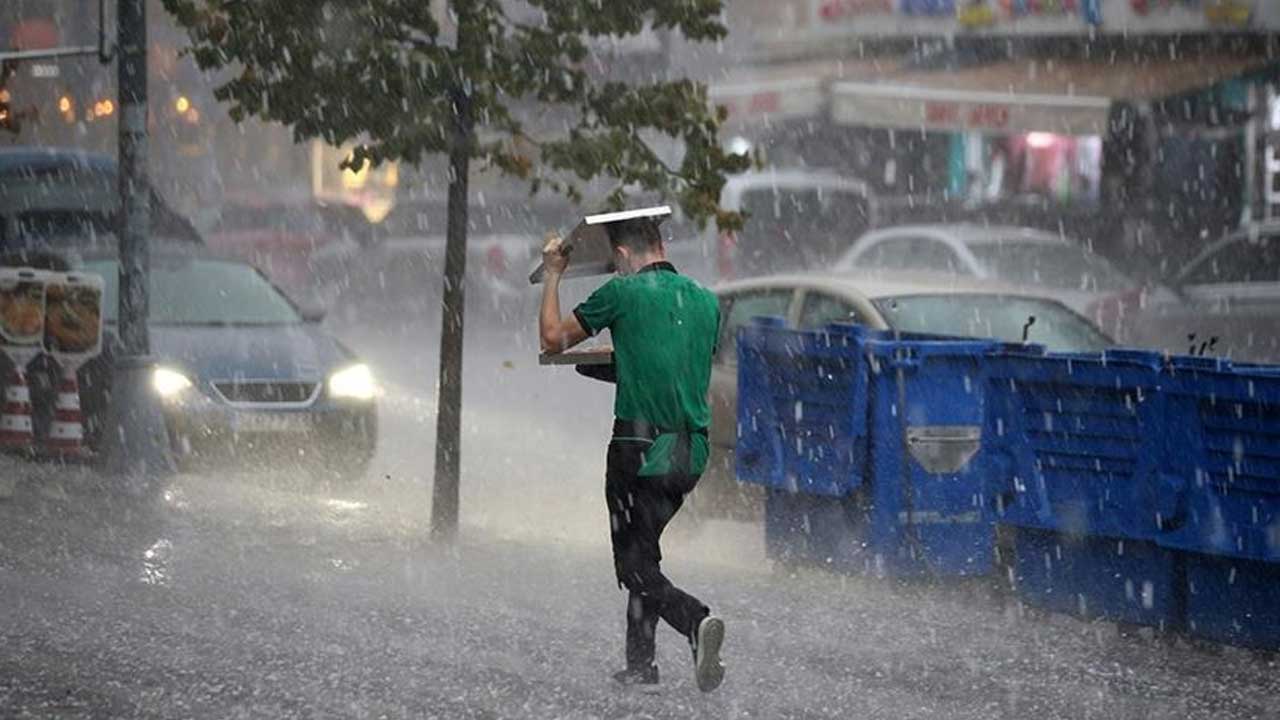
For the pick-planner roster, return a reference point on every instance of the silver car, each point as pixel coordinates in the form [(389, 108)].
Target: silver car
[(1229, 304), (941, 305), (1055, 265)]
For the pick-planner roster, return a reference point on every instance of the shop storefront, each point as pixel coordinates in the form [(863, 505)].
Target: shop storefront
[(1087, 113)]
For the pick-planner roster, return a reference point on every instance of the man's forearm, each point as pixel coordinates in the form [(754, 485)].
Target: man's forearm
[(549, 314)]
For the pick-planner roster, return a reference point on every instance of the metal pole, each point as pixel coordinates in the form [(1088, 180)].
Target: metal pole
[(135, 440), (135, 201)]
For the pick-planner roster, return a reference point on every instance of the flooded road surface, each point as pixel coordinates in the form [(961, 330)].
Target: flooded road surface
[(270, 595)]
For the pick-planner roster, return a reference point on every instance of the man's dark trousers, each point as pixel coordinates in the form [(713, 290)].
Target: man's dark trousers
[(639, 510)]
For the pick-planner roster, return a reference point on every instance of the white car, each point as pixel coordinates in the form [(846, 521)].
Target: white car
[(1052, 264), (1229, 304), (915, 303)]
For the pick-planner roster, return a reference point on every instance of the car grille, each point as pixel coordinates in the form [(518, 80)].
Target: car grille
[(266, 392)]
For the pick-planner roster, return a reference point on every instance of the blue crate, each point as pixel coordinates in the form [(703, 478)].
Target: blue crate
[(1234, 601), (1088, 489), (1224, 431), (926, 396), (855, 433), (801, 410), (1091, 576), (1076, 441)]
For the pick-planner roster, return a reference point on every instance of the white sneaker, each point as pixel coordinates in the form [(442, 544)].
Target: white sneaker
[(707, 639)]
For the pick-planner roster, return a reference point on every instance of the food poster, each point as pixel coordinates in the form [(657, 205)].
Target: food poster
[(21, 308), (73, 316)]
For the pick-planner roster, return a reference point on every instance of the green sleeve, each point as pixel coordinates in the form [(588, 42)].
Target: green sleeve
[(601, 309)]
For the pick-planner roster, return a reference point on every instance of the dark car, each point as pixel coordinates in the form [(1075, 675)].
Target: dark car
[(69, 198), (243, 374)]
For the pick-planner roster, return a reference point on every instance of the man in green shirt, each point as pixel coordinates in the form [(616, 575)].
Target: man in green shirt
[(664, 328)]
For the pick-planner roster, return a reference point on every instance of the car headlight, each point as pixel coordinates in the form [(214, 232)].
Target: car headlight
[(355, 382), (168, 383)]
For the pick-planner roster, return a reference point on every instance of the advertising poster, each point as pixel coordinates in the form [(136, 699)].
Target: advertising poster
[(73, 315), (21, 308)]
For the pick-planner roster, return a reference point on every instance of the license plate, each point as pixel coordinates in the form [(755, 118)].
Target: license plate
[(271, 423)]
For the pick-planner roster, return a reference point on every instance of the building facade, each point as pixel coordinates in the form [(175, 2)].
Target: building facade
[(1122, 120)]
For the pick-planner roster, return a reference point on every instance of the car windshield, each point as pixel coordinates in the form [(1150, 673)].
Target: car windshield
[(1240, 261), (1060, 266), (993, 316), (189, 291)]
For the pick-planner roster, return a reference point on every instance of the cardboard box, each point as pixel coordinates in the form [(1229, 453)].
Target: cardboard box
[(588, 243)]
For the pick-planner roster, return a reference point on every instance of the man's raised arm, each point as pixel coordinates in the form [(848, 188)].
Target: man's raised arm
[(557, 333)]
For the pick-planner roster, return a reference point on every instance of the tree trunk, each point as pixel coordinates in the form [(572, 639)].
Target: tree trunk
[(444, 494)]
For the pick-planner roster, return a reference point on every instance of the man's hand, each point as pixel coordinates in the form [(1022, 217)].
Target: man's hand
[(555, 258)]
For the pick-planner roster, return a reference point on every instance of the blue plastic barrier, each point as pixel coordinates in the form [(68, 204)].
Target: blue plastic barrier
[(1129, 486), (1224, 427), (869, 444), (1077, 443)]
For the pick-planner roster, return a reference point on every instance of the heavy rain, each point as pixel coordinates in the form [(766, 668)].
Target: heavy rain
[(939, 339)]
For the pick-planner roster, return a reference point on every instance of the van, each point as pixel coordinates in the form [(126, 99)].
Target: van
[(796, 219)]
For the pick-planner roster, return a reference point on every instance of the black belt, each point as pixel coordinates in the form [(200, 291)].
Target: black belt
[(641, 430), (647, 431)]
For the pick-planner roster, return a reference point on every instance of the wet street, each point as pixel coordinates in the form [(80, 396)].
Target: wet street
[(268, 595)]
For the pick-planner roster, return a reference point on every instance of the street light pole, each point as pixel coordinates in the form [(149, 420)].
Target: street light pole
[(135, 443)]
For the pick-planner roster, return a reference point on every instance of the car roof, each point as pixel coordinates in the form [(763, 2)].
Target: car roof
[(795, 178), (880, 285), (45, 159), (161, 250), (978, 234)]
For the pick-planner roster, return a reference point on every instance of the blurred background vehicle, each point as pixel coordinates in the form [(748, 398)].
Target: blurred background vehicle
[(1228, 301), (796, 219), (1054, 264), (244, 375), (911, 302), (61, 196), (303, 246), (401, 272)]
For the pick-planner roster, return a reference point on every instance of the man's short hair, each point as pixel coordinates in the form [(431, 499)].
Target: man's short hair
[(638, 235)]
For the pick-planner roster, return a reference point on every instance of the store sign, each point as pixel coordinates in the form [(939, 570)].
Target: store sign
[(891, 106), (888, 18), (769, 100), (45, 71), (842, 10), (1234, 13)]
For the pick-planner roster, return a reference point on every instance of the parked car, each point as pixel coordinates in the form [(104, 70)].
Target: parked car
[(244, 375), (1053, 264), (795, 220), (303, 246), (70, 198), (915, 303), (1228, 301)]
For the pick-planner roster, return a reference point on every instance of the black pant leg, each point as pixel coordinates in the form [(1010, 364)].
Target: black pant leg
[(639, 510), (642, 627)]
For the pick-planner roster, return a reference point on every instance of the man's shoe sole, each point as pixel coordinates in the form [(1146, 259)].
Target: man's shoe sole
[(709, 671)]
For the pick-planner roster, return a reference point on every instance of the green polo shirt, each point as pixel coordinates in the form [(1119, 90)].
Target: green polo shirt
[(664, 328)]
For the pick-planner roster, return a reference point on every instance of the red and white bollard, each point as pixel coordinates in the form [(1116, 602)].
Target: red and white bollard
[(16, 432), (66, 433)]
